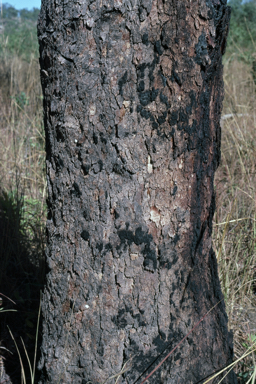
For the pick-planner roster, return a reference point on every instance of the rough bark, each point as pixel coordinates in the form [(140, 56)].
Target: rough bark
[(132, 99)]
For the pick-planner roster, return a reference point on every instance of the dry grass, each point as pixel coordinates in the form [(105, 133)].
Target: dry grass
[(21, 126), (234, 234), (22, 202), (22, 154)]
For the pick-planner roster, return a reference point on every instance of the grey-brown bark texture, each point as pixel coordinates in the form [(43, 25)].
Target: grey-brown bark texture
[(132, 99)]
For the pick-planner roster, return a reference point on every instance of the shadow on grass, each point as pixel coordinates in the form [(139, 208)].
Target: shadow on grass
[(21, 280)]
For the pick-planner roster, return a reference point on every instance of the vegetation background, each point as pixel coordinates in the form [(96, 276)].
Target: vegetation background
[(23, 188)]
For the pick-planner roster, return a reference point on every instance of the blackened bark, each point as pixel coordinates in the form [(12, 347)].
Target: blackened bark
[(132, 98)]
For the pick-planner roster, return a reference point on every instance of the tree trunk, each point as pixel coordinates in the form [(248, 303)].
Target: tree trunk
[(132, 99)]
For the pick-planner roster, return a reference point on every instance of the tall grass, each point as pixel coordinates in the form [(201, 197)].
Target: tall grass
[(22, 154), (234, 234), (22, 137), (22, 200)]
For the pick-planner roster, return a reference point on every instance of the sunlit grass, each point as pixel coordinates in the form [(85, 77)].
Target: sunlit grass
[(234, 234)]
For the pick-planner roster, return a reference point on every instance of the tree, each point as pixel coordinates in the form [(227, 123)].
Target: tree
[(132, 101), (243, 24), (32, 15), (8, 11)]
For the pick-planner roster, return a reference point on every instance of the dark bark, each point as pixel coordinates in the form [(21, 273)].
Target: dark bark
[(132, 98)]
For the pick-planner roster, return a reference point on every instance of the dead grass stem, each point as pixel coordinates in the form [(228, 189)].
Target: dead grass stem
[(234, 234)]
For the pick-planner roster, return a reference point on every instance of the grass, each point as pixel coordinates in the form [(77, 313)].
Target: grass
[(22, 202), (23, 207), (32, 369), (234, 234)]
